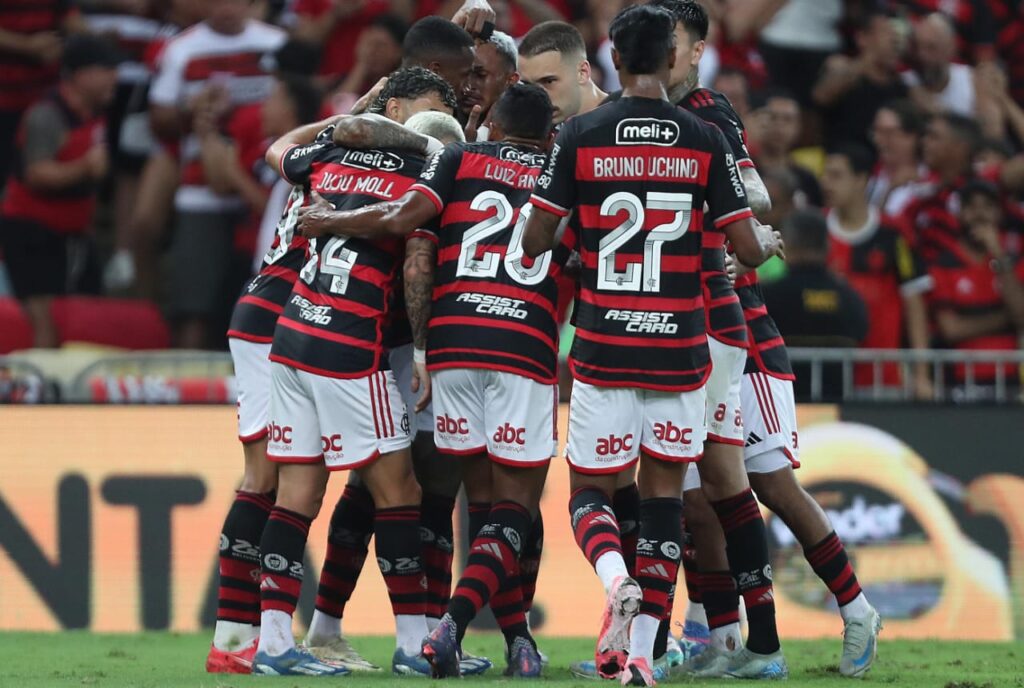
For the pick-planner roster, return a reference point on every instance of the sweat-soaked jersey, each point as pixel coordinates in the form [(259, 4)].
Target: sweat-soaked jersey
[(638, 172), (493, 307), (333, 322)]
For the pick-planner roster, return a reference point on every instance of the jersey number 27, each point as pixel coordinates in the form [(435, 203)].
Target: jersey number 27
[(646, 275)]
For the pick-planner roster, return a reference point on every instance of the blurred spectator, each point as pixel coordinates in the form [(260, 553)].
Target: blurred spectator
[(213, 68), (850, 91), (60, 158), (782, 189), (737, 23), (337, 27), (936, 83), (896, 134), (1008, 17), (812, 305), (972, 21), (1004, 115), (495, 65), (30, 48), (775, 130), (797, 41), (877, 261), (378, 53), (732, 83), (978, 301), (930, 213)]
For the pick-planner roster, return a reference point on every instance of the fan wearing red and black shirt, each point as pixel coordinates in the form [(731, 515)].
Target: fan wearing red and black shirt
[(489, 340), (978, 300), (334, 401), (59, 160), (877, 261), (636, 174)]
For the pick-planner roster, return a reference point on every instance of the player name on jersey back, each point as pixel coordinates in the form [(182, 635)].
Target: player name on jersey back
[(493, 307), (333, 321), (637, 172)]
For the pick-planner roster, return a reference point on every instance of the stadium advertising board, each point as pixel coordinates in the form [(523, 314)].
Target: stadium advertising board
[(109, 519)]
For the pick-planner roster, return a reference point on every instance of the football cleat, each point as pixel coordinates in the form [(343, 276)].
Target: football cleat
[(403, 664), (860, 644), (622, 605), (637, 672), (711, 663), (524, 660), (297, 661), (441, 649), (696, 634), (471, 665), (236, 662), (586, 669), (746, 664), (340, 651)]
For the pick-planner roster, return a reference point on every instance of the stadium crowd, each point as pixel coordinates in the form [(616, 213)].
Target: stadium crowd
[(899, 123)]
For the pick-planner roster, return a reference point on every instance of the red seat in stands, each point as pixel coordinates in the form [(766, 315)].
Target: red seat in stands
[(15, 328), (124, 323)]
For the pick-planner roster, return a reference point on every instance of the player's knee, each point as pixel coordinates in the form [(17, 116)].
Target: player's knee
[(401, 489), (302, 497)]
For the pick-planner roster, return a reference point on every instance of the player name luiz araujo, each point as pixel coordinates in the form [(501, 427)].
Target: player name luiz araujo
[(674, 167), (510, 176), (489, 304), (644, 321)]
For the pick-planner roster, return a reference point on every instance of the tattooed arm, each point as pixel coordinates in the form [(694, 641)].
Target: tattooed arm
[(375, 131), (420, 257)]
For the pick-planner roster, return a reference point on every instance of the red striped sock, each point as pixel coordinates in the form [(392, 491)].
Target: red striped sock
[(284, 540), (238, 597), (829, 560)]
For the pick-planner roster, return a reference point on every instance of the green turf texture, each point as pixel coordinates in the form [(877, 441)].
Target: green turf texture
[(158, 660)]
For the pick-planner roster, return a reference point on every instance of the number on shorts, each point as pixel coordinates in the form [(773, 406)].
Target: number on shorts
[(487, 264), (645, 276), (336, 261), (286, 226)]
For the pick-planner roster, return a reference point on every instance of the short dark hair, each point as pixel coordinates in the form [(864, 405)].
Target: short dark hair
[(305, 96), (393, 25), (644, 37), (431, 38), (806, 229), (689, 13), (557, 36), (413, 82), (761, 98), (908, 113), (868, 17), (524, 110), (857, 155)]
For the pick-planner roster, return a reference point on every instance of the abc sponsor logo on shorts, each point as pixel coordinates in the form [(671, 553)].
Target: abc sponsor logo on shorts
[(455, 429), (670, 433), (280, 435), (331, 444), (513, 438), (613, 447)]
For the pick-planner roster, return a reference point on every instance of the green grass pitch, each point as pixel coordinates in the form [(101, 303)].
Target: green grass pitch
[(159, 660)]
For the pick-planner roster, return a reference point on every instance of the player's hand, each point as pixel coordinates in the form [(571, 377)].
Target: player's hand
[(45, 46), (315, 218), (421, 385), (97, 162), (472, 16), (363, 104), (473, 123), (730, 268)]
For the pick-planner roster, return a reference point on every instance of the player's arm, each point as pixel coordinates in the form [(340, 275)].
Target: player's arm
[(418, 274), (553, 196), (757, 192), (729, 123), (391, 218), (300, 136), (539, 233), (375, 131)]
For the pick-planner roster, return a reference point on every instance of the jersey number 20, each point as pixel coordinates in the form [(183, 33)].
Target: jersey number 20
[(487, 264)]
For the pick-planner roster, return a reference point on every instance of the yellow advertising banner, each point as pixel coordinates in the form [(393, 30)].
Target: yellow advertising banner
[(110, 516)]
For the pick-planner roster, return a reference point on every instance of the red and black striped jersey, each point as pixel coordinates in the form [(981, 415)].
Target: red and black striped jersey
[(638, 172), (723, 313), (264, 296), (493, 307), (334, 319), (766, 350), (24, 79)]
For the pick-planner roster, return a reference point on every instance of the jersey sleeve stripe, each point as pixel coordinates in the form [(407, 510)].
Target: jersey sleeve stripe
[(550, 207), (262, 303), (734, 216), (746, 163), (430, 194), (280, 164), (424, 234)]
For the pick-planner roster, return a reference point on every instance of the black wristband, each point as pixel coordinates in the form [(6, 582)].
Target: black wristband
[(487, 31)]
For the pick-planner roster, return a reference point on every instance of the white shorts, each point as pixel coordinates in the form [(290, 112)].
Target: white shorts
[(511, 417), (400, 359), (725, 418), (608, 426), (252, 378), (769, 412), (343, 423)]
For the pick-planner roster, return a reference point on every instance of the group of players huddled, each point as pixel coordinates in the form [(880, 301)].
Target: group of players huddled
[(404, 327)]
